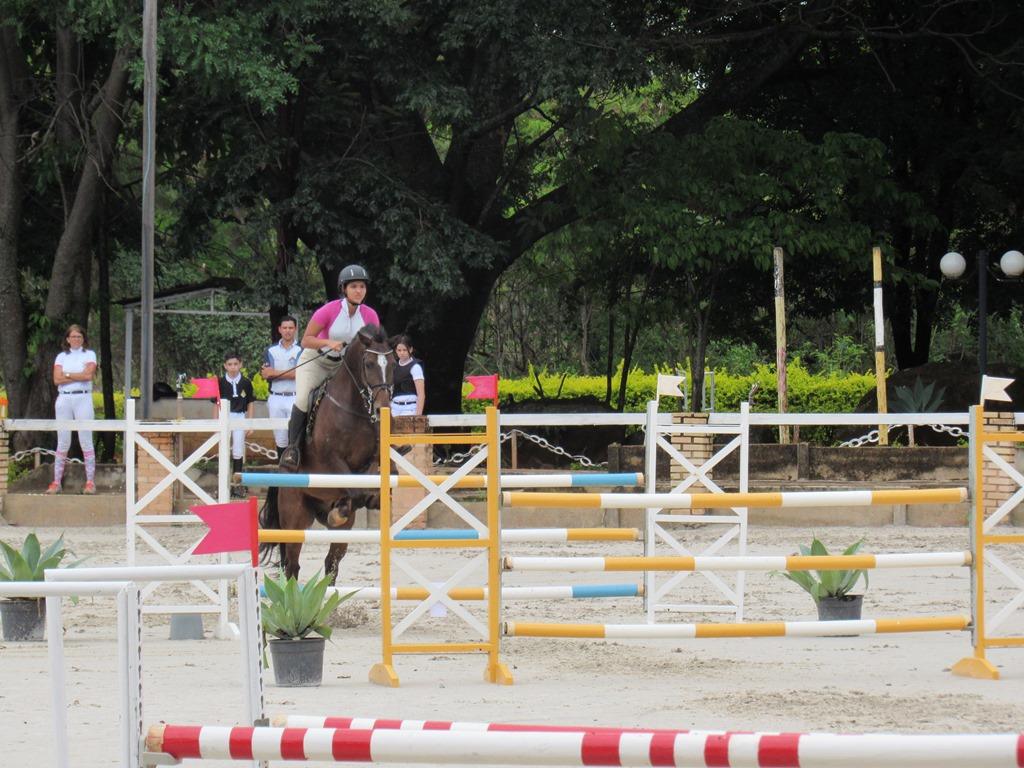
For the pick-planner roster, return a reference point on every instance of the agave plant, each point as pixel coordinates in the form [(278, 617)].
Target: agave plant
[(921, 398), (819, 584), (31, 561), (293, 611)]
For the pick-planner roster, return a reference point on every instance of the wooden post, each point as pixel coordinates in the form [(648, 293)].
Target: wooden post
[(780, 339), (876, 261)]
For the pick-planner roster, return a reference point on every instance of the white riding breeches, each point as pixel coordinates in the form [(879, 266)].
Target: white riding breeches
[(74, 407), (280, 407)]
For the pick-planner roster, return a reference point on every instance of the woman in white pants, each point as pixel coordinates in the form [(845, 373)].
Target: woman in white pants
[(73, 372)]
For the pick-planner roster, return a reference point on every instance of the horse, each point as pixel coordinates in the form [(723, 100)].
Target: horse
[(344, 440)]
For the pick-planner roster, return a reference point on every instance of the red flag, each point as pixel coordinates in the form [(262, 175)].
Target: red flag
[(233, 528), (484, 388), (206, 388)]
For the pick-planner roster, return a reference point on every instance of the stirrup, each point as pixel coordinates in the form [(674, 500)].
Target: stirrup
[(290, 458)]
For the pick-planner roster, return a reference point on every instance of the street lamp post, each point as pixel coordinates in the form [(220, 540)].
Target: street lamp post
[(953, 266)]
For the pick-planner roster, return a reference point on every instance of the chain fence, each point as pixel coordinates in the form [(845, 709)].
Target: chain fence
[(40, 452), (460, 456), (872, 436)]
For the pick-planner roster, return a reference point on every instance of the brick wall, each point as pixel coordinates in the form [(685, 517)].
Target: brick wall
[(148, 473), (998, 485), (698, 448), (421, 457)]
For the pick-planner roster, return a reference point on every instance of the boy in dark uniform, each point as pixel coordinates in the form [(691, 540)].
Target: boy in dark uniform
[(237, 389)]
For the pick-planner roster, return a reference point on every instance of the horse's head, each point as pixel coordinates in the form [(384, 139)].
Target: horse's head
[(371, 359)]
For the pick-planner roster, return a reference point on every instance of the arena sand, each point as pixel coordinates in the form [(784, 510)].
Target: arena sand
[(893, 683)]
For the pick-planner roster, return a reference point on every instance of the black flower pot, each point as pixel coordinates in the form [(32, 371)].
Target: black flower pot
[(841, 608), (297, 663), (23, 619)]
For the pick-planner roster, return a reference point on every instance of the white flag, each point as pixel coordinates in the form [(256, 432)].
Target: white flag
[(994, 388), (669, 385)]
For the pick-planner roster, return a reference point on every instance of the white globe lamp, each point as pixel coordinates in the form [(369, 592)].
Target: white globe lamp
[(953, 265), (1012, 263)]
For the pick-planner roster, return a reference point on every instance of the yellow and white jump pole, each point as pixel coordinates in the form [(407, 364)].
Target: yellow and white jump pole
[(876, 269), (743, 629), (742, 563), (865, 498)]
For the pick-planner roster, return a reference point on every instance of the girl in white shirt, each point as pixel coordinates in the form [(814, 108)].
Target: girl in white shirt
[(73, 372)]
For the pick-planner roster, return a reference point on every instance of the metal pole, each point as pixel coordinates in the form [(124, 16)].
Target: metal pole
[(149, 20), (780, 339), (129, 350), (982, 313), (876, 266)]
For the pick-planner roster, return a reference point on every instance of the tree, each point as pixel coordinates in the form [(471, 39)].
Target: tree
[(66, 93), (405, 145), (63, 94), (941, 86)]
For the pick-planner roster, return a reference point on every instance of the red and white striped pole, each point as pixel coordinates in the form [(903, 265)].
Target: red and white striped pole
[(377, 723), (685, 750)]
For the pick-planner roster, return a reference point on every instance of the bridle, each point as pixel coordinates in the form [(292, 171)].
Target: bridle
[(367, 392)]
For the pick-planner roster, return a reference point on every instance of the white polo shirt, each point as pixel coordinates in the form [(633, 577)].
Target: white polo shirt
[(281, 359), (75, 362)]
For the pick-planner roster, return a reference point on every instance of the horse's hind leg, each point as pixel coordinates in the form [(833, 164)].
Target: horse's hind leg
[(290, 561)]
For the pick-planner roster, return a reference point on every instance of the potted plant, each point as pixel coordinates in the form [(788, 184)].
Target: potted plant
[(291, 613), (831, 589), (23, 618)]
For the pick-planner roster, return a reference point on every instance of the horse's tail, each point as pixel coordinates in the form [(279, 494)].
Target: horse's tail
[(270, 518)]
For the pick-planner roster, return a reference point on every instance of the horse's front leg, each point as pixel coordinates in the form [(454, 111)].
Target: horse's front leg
[(340, 517), (331, 562)]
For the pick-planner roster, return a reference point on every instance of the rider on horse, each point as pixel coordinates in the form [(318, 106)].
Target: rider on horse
[(330, 328)]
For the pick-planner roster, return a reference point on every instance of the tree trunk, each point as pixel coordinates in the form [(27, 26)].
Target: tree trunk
[(106, 439), (67, 299), (12, 310)]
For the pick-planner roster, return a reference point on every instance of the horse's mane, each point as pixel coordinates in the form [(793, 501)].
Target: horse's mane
[(374, 331)]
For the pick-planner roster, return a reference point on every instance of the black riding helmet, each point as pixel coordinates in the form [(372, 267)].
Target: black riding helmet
[(350, 274)]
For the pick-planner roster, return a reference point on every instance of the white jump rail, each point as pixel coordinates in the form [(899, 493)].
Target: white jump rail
[(128, 656)]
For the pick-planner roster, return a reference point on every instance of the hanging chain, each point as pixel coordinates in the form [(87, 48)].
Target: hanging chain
[(872, 436), (45, 452), (270, 453), (459, 457)]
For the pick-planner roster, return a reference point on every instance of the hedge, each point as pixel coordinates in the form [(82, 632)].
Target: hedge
[(808, 393)]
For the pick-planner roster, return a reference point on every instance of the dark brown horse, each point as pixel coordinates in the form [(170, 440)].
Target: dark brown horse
[(344, 441)]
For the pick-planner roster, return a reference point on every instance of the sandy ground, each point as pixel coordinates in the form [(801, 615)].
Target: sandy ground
[(896, 683)]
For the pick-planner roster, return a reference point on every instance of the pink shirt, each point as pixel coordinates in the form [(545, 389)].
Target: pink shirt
[(340, 327)]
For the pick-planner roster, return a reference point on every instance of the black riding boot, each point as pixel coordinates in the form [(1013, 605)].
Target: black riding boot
[(239, 490), (291, 456)]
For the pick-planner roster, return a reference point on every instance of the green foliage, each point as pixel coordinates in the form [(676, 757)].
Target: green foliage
[(808, 393), (920, 398), (819, 584), (31, 561), (292, 611)]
